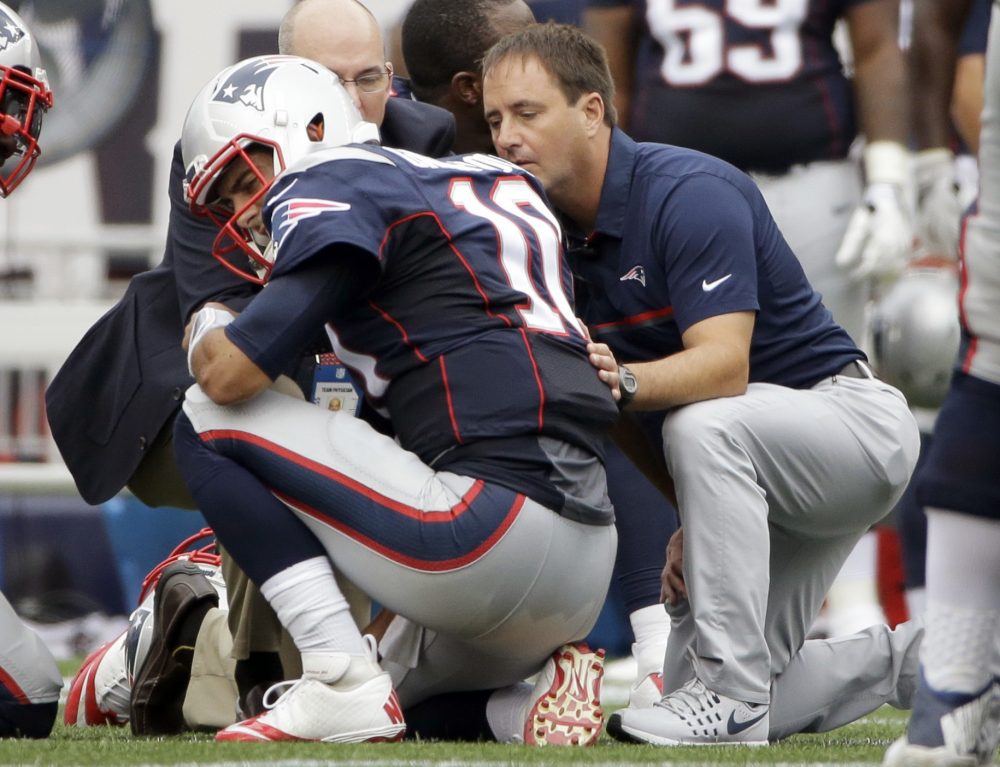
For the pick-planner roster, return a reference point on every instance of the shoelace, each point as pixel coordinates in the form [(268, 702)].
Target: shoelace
[(688, 700), (276, 690)]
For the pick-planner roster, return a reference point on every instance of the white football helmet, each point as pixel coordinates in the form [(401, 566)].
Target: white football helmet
[(24, 98), (270, 101), (916, 334)]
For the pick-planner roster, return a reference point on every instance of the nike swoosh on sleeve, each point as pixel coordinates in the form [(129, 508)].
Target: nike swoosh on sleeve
[(710, 286)]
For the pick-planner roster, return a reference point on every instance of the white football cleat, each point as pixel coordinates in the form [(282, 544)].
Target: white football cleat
[(949, 730), (99, 693), (693, 716), (339, 699), (565, 704)]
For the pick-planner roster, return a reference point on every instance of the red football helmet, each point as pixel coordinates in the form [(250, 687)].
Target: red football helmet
[(24, 98)]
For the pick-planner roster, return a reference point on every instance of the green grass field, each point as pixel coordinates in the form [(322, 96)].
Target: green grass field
[(861, 743)]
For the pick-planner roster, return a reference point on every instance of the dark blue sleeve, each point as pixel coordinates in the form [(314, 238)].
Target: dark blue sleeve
[(286, 316), (977, 27), (199, 277), (704, 232), (339, 206)]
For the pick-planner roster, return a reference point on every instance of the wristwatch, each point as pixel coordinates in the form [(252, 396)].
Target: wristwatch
[(628, 385)]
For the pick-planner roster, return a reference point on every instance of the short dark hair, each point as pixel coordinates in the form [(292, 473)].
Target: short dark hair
[(577, 61), (442, 37)]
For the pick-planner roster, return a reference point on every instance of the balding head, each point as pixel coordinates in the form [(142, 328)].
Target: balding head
[(343, 36)]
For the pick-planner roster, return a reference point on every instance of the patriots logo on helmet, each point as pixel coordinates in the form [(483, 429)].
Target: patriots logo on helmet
[(246, 83), (10, 32)]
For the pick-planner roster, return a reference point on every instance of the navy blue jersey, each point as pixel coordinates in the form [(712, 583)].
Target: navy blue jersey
[(559, 11), (682, 237), (468, 340), (758, 84)]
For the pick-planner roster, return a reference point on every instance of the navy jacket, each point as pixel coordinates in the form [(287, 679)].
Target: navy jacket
[(125, 380)]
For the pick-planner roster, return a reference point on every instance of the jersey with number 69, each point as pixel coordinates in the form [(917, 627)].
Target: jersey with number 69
[(755, 82), (468, 341)]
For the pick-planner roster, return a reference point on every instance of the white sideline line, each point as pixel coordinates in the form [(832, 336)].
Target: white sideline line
[(467, 763)]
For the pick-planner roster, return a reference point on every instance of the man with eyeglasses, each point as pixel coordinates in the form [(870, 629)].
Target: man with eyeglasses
[(358, 59), (131, 373)]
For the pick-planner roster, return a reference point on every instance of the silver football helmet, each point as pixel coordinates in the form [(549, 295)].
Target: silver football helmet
[(291, 105), (24, 98), (916, 334)]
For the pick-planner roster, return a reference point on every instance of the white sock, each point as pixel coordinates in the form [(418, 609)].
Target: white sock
[(958, 652), (861, 562), (852, 602), (505, 712), (963, 566), (311, 607), (916, 602), (651, 627)]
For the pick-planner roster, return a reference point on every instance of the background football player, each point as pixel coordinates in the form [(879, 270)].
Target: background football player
[(29, 678)]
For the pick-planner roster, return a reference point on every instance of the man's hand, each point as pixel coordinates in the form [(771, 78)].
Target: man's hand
[(212, 316), (607, 367), (672, 588), (939, 206), (878, 242), (879, 238)]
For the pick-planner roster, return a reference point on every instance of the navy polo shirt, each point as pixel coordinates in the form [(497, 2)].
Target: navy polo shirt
[(682, 236)]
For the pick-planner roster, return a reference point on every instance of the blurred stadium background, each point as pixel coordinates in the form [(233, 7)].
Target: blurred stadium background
[(95, 213)]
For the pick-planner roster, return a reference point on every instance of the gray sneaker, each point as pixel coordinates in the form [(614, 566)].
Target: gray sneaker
[(949, 730), (693, 716)]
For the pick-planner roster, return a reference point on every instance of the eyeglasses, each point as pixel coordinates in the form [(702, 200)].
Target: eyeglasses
[(370, 83)]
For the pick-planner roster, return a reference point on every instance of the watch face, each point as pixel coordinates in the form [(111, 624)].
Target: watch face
[(627, 381)]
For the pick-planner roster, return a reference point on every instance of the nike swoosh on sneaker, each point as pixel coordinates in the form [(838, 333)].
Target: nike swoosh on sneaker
[(710, 286), (734, 727)]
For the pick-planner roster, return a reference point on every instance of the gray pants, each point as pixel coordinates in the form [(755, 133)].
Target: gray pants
[(487, 622), (26, 661), (774, 488)]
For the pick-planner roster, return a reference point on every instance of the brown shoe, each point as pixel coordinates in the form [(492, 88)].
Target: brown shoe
[(159, 686)]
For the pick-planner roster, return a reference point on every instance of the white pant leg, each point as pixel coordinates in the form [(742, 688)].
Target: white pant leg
[(25, 661), (774, 487), (537, 582), (812, 205), (981, 286)]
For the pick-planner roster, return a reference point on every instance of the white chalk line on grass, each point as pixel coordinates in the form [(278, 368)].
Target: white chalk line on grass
[(476, 763)]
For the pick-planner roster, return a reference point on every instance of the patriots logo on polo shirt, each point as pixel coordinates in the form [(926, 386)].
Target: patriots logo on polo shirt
[(636, 273), (10, 32)]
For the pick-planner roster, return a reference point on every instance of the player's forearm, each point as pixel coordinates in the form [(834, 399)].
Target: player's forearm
[(616, 29), (967, 99), (224, 372), (933, 50), (880, 80), (881, 98)]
